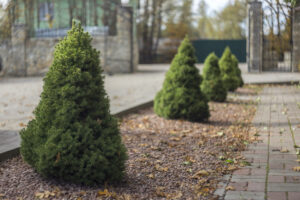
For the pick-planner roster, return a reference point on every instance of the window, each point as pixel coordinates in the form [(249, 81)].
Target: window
[(46, 11)]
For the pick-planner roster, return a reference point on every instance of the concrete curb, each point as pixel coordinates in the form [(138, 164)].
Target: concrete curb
[(9, 154), (274, 83), (16, 151), (133, 109)]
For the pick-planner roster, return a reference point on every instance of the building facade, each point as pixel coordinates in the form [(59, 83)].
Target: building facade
[(40, 24)]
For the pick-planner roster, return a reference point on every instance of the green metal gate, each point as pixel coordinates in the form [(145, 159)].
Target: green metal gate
[(205, 47)]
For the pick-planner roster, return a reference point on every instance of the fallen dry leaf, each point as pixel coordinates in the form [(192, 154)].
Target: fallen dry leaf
[(159, 192), (22, 124), (200, 143), (284, 150), (143, 145), (46, 194), (125, 197), (105, 193), (135, 150), (160, 168), (39, 195), (296, 169), (231, 168), (200, 174), (175, 138), (173, 132), (190, 159), (151, 176), (220, 133), (230, 188), (187, 131), (176, 195)]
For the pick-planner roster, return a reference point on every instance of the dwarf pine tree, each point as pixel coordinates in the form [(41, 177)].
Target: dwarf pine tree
[(212, 84), (228, 71), (73, 136), (181, 97), (238, 71)]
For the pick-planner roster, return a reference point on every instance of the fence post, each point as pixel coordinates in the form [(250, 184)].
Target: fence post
[(255, 37)]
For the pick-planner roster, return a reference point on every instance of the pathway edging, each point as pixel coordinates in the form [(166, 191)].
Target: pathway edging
[(16, 151)]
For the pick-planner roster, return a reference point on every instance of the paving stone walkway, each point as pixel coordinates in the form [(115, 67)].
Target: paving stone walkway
[(271, 175)]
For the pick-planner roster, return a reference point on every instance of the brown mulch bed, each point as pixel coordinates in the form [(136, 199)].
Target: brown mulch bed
[(168, 159)]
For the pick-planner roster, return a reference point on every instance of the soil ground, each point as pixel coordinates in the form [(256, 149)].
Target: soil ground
[(168, 159)]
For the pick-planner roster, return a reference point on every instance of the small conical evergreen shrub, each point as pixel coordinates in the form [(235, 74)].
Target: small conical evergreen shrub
[(228, 71), (212, 85), (181, 97), (238, 71), (73, 136)]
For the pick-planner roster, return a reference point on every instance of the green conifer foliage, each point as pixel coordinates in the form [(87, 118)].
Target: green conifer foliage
[(181, 97), (238, 71), (212, 85), (228, 71), (73, 136)]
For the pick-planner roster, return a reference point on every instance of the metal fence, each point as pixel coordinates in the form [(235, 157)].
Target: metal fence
[(61, 32), (205, 47), (277, 38)]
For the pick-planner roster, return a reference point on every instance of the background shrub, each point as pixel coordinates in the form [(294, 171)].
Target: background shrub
[(238, 71), (181, 96), (212, 85), (228, 71), (73, 136)]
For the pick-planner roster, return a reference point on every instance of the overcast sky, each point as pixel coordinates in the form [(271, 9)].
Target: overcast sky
[(3, 1), (213, 4)]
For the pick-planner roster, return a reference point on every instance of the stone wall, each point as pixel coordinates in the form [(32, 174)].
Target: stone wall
[(39, 55), (24, 56)]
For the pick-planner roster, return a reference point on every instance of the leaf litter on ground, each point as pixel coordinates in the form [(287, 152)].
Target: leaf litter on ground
[(171, 159)]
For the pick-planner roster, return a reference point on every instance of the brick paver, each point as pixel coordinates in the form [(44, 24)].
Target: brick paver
[(271, 175)]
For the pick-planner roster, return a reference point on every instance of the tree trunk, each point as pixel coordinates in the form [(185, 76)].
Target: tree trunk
[(38, 12), (159, 22), (95, 13), (151, 36), (28, 12), (71, 9), (83, 13), (145, 31)]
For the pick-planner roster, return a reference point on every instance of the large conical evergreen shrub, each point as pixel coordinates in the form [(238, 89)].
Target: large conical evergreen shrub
[(228, 71), (181, 97), (238, 71), (212, 85), (73, 136)]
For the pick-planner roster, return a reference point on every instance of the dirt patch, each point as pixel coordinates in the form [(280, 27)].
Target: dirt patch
[(168, 159)]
